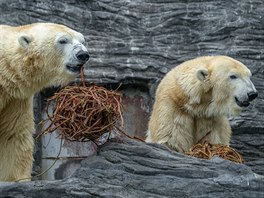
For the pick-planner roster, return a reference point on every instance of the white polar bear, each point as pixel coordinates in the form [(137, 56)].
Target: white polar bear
[(193, 100), (31, 57)]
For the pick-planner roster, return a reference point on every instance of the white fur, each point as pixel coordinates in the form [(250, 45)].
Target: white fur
[(193, 101), (30, 59)]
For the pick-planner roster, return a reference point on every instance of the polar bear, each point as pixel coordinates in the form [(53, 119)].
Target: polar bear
[(194, 99), (31, 57)]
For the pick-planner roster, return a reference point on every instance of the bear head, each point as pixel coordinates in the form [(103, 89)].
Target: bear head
[(48, 54), (227, 82)]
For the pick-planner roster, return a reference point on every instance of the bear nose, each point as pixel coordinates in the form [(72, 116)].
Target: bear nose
[(83, 56), (252, 95)]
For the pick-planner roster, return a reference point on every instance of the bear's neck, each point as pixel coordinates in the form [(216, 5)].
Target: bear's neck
[(208, 107), (22, 79)]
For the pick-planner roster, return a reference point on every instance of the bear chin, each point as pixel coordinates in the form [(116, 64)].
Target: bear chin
[(242, 103), (74, 68)]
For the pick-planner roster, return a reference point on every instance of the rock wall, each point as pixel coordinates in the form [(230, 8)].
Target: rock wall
[(136, 42), (135, 169)]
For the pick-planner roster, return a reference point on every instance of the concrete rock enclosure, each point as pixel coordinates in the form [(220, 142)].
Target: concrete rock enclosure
[(134, 169), (136, 42)]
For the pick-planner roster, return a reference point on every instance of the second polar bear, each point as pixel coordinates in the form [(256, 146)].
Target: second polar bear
[(194, 99)]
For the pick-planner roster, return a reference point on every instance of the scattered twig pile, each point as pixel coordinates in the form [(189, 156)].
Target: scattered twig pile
[(84, 113), (207, 151)]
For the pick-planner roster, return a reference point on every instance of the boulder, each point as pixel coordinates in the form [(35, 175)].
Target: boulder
[(126, 168)]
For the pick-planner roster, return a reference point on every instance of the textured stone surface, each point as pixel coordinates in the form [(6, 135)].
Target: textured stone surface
[(135, 42), (135, 169)]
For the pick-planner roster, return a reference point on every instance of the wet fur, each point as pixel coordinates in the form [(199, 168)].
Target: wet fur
[(188, 110), (23, 72)]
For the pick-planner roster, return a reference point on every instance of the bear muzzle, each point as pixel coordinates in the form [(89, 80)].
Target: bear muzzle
[(74, 68), (82, 56), (250, 97)]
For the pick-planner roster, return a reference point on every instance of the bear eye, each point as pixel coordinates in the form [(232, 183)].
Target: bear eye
[(233, 77), (63, 41)]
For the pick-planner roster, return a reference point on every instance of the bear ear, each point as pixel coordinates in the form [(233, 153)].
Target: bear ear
[(202, 74), (24, 41)]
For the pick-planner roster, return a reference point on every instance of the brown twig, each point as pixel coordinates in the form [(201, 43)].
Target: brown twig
[(207, 151), (84, 113)]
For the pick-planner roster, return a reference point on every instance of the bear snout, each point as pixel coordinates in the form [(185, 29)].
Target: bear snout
[(252, 95), (83, 56), (240, 103), (245, 101), (74, 68)]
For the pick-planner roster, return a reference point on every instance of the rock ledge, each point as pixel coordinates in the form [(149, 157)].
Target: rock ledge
[(135, 169)]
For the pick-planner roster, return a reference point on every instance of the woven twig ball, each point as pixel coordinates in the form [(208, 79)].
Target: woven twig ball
[(84, 113), (207, 151)]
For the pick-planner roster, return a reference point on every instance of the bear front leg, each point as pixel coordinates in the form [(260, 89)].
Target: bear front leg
[(220, 132), (182, 136), (169, 126), (16, 157), (16, 141)]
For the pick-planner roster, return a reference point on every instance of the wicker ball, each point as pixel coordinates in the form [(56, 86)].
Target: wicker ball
[(84, 113), (207, 151)]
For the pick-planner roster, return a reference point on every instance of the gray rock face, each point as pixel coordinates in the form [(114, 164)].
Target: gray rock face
[(136, 42), (135, 169)]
